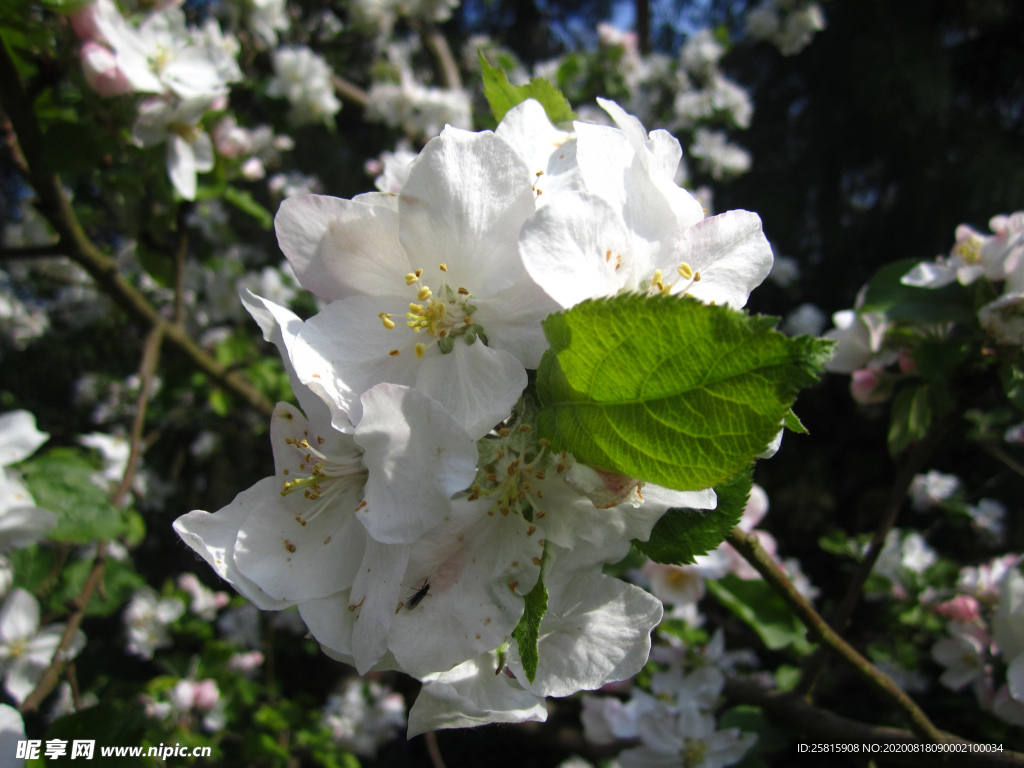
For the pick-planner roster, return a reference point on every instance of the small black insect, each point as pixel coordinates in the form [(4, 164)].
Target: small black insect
[(416, 599)]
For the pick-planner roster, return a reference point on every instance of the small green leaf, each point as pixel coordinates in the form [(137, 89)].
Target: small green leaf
[(762, 610), (244, 201), (62, 481), (681, 535), (527, 631), (793, 423), (913, 304), (502, 95), (669, 390), (910, 418)]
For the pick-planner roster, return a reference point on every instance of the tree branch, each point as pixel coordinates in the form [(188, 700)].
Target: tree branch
[(998, 453), (350, 91), (793, 711), (437, 44), (31, 252), (747, 545), (643, 26), (912, 464), (55, 206)]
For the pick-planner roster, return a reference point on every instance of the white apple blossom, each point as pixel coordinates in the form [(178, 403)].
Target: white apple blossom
[(973, 255), (146, 621), (635, 229), (983, 581), (363, 716), (26, 650), (931, 489), (717, 155), (266, 18), (443, 256), (189, 148), (392, 169), (343, 509), (64, 702), (1004, 318), (806, 319), (989, 516), (205, 602), (858, 337), (790, 25), (419, 110), (685, 737), (21, 522), (963, 654), (304, 78)]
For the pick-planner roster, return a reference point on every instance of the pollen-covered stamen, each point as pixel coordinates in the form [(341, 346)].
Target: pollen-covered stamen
[(969, 250), (658, 284), (329, 475), (442, 315)]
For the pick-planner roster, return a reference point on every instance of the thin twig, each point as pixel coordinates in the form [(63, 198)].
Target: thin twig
[(147, 369), (433, 750), (912, 464), (747, 545), (643, 26), (998, 453), (437, 44), (52, 674), (31, 252), (350, 91), (57, 209), (180, 254), (72, 675), (793, 711)]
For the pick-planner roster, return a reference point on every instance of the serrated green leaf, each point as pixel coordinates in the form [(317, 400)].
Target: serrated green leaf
[(762, 610), (682, 535), (61, 481), (910, 303), (793, 423), (502, 95), (244, 201), (667, 389), (527, 631)]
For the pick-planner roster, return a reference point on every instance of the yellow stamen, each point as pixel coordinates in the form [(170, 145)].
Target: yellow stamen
[(410, 278), (416, 308), (444, 267), (385, 318), (696, 277), (393, 353), (419, 272), (424, 293), (685, 271), (420, 350)]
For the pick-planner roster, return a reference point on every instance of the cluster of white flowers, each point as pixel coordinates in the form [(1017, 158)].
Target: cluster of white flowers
[(188, 69), (986, 625), (998, 257), (413, 506), (789, 25), (190, 698), (364, 715), (304, 78), (254, 148), (419, 110), (903, 556), (21, 522), (676, 725), (147, 619)]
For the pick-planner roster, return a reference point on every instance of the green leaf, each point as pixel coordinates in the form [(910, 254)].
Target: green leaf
[(669, 390), (763, 610), (951, 303), (770, 738), (61, 481), (911, 416), (502, 95), (527, 631), (793, 424), (1012, 379), (120, 582), (681, 535), (109, 723), (244, 201)]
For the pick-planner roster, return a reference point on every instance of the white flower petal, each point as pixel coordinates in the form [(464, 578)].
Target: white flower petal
[(19, 437), (202, 148), (341, 248), (376, 592), (213, 536), (464, 203), (478, 567), (19, 616), (472, 694), (528, 131), (12, 730), (731, 253), (417, 458), (576, 247), (181, 166), (22, 526)]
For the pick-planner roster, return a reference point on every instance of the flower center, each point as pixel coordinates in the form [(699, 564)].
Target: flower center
[(17, 647), (658, 284), (694, 752), (443, 317), (329, 475), (969, 250)]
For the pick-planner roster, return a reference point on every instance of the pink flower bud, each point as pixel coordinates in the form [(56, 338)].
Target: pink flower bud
[(962, 608), (906, 361), (864, 387), (206, 694), (84, 24), (99, 65), (252, 169)]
